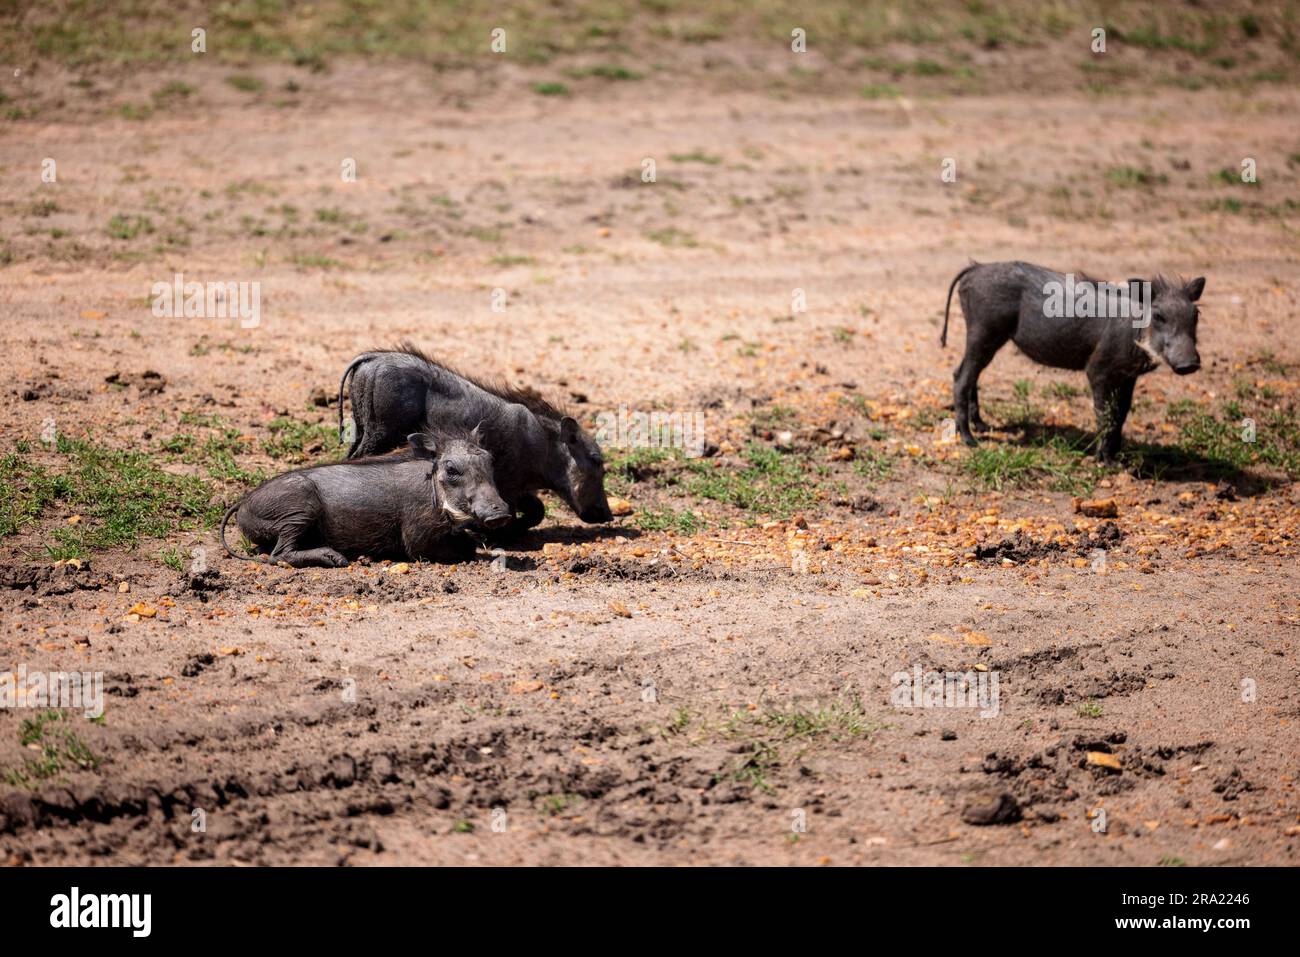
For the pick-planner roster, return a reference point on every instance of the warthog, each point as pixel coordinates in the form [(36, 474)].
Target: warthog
[(534, 445), (409, 504), (1115, 333)]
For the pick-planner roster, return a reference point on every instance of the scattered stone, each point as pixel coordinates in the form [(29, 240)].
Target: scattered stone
[(1097, 507), (1000, 809)]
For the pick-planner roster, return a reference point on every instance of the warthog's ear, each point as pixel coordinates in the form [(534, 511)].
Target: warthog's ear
[(1195, 288), (422, 445), (569, 430)]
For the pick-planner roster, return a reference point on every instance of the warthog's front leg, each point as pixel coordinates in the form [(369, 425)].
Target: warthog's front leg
[(1111, 399), (312, 557)]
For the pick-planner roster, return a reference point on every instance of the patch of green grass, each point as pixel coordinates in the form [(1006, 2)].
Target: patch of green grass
[(1135, 177), (626, 466), (172, 92), (605, 71), (122, 497), (129, 227), (1251, 429), (450, 32), (1055, 463), (314, 261), (216, 453), (550, 88), (696, 156), (1063, 390), (680, 722), (1088, 709), (1226, 205), (246, 83), (506, 262), (769, 483), (550, 805), (295, 441), (773, 417), (1232, 177), (135, 111), (666, 519), (754, 768), (778, 736), (872, 465), (1267, 361), (1021, 408), (59, 748), (672, 236), (1151, 36), (839, 720), (880, 91), (173, 558), (485, 234)]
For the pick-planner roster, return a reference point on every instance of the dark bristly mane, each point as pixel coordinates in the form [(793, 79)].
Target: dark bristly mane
[(529, 398), (1159, 282)]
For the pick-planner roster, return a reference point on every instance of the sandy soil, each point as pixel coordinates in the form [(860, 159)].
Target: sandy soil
[(621, 695)]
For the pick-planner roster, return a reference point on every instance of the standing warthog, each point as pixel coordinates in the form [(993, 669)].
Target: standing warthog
[(406, 505), (1113, 332), (534, 445)]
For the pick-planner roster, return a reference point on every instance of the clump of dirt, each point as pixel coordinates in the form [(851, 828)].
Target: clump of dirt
[(1019, 547), (617, 569), (45, 580), (148, 382), (1022, 547), (1002, 808), (204, 584), (1233, 784), (1107, 535)]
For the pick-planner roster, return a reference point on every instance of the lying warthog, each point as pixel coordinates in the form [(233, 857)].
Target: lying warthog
[(534, 445), (406, 505), (1113, 332)]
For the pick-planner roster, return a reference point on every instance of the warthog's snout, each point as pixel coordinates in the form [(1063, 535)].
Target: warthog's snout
[(498, 520), (1188, 368), (596, 515)]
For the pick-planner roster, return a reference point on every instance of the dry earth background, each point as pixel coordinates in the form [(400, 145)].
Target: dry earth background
[(688, 683)]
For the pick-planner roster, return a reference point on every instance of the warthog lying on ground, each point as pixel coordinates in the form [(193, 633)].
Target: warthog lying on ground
[(1113, 332), (534, 445), (406, 505)]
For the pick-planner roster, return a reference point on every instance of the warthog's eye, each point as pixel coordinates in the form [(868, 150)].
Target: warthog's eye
[(451, 471)]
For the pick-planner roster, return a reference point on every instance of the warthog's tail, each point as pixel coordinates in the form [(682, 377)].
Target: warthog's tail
[(943, 338), (352, 368), (221, 533)]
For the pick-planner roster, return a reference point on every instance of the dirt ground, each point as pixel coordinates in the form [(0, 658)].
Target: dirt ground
[(710, 689)]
